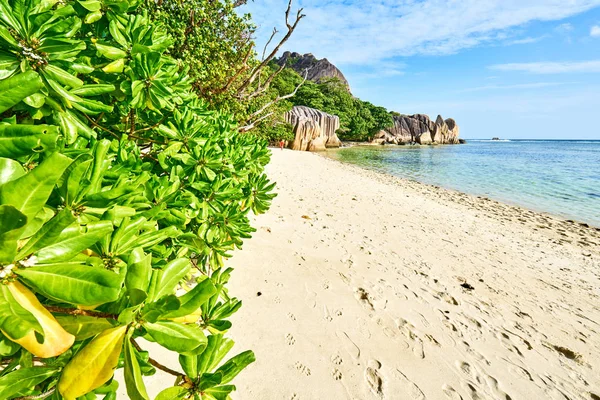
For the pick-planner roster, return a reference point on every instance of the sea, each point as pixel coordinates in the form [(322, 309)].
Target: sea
[(559, 177)]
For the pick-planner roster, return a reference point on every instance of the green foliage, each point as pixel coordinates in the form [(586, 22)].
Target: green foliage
[(121, 195), (359, 120)]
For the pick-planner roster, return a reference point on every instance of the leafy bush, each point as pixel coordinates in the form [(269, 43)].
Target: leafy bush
[(120, 197)]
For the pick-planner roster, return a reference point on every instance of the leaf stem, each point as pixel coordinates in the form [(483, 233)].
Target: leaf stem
[(77, 311), (157, 364), (100, 126)]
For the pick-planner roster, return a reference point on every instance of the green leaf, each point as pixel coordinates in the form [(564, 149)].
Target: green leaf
[(15, 321), (173, 393), (112, 53), (24, 379), (75, 284), (183, 339), (170, 276), (30, 192), (21, 140), (93, 90), (136, 390), (11, 222), (189, 365), (218, 393), (83, 326), (48, 233), (216, 349), (7, 346), (193, 299), (10, 170), (61, 76), (139, 270), (18, 87), (235, 365), (74, 240)]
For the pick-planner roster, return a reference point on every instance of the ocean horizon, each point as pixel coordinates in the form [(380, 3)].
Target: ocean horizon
[(555, 176)]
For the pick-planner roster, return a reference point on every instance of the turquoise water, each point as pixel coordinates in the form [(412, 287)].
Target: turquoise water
[(561, 177)]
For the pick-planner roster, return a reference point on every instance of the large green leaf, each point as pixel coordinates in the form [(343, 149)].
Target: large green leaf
[(15, 321), (24, 379), (17, 87), (11, 222), (169, 277), (75, 284), (29, 193), (183, 339), (235, 365), (193, 299), (20, 140), (74, 240), (139, 270), (136, 390), (48, 233), (216, 349)]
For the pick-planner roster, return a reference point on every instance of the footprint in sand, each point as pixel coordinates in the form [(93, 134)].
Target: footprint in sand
[(326, 315), (337, 360), (409, 389), (373, 379), (291, 316), (290, 340), (311, 298), (349, 345), (413, 337), (337, 375), (302, 368), (450, 393)]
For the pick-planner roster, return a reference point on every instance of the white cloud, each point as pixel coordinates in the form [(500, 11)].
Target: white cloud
[(564, 28), (519, 86), (527, 40), (366, 32), (550, 67), (595, 31)]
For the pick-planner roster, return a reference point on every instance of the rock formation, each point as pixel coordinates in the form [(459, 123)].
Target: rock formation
[(314, 130), (419, 129), (317, 69)]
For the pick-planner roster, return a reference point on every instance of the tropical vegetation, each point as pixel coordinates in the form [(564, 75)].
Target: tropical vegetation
[(122, 192)]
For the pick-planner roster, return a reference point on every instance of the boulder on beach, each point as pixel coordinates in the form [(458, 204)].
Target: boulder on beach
[(419, 129), (314, 130)]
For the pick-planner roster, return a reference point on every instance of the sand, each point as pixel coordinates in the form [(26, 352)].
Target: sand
[(358, 285)]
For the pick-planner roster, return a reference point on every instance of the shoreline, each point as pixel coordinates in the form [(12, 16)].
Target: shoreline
[(504, 202)]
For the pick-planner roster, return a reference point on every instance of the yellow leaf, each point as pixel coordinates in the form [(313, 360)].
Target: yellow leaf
[(188, 319), (56, 339), (94, 365)]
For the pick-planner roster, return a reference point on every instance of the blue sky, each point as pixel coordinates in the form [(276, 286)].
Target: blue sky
[(506, 68)]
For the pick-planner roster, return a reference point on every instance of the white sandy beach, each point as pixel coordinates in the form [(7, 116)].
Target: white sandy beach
[(376, 287)]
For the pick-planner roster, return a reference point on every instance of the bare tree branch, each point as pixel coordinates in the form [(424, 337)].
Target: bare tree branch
[(291, 27), (275, 32), (255, 114), (251, 126)]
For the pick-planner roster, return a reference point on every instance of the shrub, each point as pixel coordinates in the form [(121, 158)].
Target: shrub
[(120, 197)]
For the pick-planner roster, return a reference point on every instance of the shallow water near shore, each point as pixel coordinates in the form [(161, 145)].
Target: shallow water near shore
[(561, 177)]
